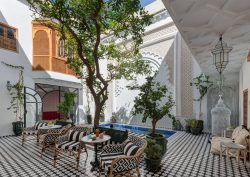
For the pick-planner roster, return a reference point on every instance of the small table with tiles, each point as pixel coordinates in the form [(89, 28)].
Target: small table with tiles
[(232, 149), (98, 140)]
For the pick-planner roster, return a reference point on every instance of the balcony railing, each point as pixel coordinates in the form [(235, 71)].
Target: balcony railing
[(45, 62)]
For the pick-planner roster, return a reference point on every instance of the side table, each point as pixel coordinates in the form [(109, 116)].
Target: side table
[(232, 149)]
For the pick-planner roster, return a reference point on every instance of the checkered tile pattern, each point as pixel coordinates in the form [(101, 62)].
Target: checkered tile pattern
[(187, 156)]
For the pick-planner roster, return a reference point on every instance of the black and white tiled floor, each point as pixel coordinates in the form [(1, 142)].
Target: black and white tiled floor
[(187, 156)]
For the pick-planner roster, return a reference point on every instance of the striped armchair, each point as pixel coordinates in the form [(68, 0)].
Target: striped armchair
[(34, 131), (49, 139), (71, 142), (122, 158)]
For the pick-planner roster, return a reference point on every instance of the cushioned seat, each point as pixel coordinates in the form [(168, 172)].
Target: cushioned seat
[(123, 157), (49, 139), (69, 145), (34, 131), (72, 143), (239, 136), (109, 157)]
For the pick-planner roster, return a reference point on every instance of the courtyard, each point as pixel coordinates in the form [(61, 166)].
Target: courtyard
[(125, 88)]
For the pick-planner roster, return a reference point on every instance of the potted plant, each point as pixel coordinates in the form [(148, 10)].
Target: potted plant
[(17, 100), (196, 126), (154, 102), (153, 156), (177, 124), (188, 125), (66, 106), (202, 84)]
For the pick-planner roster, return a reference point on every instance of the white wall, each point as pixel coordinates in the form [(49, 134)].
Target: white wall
[(16, 14), (244, 83)]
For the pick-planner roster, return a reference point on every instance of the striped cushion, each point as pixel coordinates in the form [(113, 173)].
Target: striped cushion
[(76, 135), (106, 159), (40, 124), (69, 145), (130, 148)]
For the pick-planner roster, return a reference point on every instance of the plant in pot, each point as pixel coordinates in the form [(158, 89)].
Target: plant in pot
[(202, 84), (153, 156), (196, 126), (17, 100), (154, 102), (188, 125), (66, 106), (176, 124)]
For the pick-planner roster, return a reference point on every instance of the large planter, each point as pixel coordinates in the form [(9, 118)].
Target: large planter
[(17, 127), (198, 129), (188, 128), (89, 119), (195, 131), (200, 126), (153, 164), (161, 140)]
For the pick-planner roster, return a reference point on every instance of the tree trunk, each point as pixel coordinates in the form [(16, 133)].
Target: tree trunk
[(98, 109), (153, 126)]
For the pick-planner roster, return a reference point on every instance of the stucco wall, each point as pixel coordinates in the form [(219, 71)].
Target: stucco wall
[(9, 13), (244, 83)]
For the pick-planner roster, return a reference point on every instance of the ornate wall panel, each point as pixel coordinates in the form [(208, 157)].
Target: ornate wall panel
[(186, 78)]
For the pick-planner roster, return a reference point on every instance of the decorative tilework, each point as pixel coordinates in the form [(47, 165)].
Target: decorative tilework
[(187, 156)]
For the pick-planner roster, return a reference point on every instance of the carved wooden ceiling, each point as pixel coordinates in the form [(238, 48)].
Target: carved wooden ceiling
[(202, 21)]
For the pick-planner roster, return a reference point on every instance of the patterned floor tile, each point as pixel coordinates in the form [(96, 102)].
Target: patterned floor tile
[(187, 156)]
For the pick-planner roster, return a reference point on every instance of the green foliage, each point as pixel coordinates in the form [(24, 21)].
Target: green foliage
[(66, 106), (188, 122), (153, 150), (17, 95), (202, 84), (150, 102), (194, 123), (94, 30)]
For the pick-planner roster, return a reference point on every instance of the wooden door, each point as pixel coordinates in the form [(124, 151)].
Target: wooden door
[(245, 106)]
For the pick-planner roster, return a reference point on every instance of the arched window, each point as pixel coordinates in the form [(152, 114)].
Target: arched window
[(61, 48)]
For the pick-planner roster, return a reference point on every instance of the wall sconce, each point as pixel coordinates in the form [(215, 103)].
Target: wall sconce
[(9, 86)]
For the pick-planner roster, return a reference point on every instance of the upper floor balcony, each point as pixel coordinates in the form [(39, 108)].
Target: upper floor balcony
[(48, 50)]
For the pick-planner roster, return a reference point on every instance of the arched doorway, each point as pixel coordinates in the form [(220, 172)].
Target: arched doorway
[(32, 106)]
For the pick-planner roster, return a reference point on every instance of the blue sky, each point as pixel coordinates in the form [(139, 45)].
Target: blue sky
[(146, 2)]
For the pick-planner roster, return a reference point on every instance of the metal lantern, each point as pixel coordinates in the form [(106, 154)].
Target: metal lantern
[(8, 86), (221, 55)]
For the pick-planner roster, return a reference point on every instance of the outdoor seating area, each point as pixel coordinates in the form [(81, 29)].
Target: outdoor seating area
[(187, 155), (115, 88)]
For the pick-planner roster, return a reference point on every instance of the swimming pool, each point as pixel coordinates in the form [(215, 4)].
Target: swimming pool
[(137, 129)]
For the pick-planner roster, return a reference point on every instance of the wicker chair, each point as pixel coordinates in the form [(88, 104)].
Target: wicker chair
[(71, 142), (34, 131), (49, 139), (122, 158)]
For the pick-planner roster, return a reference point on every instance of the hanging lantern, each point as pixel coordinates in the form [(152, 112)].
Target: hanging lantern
[(221, 55)]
